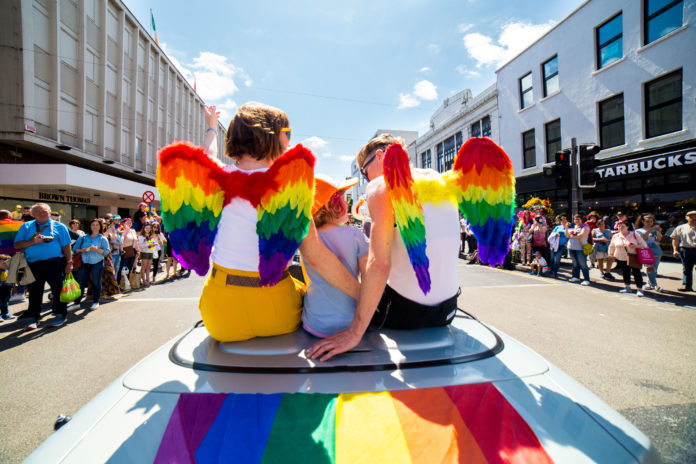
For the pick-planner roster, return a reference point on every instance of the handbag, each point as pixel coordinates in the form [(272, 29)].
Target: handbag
[(645, 256), (587, 249), (77, 257), (633, 261), (71, 289), (134, 279), (128, 252)]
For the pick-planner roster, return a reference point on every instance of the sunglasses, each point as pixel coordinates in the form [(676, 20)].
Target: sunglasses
[(288, 132), (367, 163)]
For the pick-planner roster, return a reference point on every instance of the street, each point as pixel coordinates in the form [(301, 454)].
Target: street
[(638, 355)]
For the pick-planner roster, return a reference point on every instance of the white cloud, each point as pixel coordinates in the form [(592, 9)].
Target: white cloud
[(514, 37), (464, 71), (314, 142), (424, 69), (227, 110), (462, 28), (423, 90), (433, 49), (326, 155), (346, 158), (407, 101)]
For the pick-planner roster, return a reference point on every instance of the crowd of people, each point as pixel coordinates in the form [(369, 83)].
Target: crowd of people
[(114, 255), (627, 247)]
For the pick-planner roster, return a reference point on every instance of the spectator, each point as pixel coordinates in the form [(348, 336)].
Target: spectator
[(601, 237), (591, 222), (146, 242), (130, 251), (524, 236), (171, 260), (93, 247), (539, 213), (539, 242), (560, 240), (141, 216), (55, 215), (74, 230), (652, 234), (46, 246), (577, 237), (159, 249), (17, 213), (623, 248), (114, 234), (109, 281), (684, 246), (5, 290), (27, 215), (7, 247), (621, 217), (539, 264)]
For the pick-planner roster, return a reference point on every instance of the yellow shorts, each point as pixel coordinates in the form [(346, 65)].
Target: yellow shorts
[(234, 313)]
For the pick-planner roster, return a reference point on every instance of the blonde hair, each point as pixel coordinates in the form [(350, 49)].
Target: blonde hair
[(330, 212), (255, 131), (382, 141)]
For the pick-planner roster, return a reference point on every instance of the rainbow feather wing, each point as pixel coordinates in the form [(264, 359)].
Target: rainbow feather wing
[(8, 232), (486, 196), (284, 212), (408, 211), (191, 186)]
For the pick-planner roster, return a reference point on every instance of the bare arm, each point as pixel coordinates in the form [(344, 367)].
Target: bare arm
[(327, 264), (362, 265), (22, 244), (210, 141), (373, 281)]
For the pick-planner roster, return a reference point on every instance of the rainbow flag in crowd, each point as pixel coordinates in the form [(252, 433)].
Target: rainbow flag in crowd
[(463, 423), (8, 232)]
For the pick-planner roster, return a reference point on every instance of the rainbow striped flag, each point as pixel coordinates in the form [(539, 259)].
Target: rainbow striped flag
[(463, 423), (8, 232)]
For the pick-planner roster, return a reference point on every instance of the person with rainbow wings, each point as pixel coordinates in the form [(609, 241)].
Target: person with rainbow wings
[(411, 277), (249, 218)]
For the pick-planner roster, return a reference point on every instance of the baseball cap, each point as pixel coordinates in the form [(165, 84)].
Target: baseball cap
[(116, 216), (325, 187)]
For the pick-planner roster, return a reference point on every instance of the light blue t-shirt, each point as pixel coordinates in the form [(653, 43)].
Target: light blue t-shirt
[(86, 241), (328, 310), (560, 230), (44, 250)]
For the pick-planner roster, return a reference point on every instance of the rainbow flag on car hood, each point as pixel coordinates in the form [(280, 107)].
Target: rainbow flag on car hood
[(8, 232), (463, 423)]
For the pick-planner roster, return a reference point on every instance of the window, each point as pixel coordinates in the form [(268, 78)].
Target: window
[(611, 122), (526, 94), (609, 41), (481, 128), (550, 73), (459, 140), (663, 105), (449, 154), (138, 149), (528, 150), (661, 17), (440, 151), (426, 162), (553, 139)]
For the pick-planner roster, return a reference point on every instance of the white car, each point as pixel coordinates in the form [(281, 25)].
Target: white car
[(462, 393)]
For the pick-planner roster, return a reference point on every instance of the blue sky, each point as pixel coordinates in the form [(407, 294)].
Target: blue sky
[(342, 70)]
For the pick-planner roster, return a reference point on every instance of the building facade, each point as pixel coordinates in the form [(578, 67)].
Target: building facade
[(618, 74), (459, 118), (87, 101)]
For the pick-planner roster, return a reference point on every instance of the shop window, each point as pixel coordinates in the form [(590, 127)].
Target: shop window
[(656, 181), (663, 105), (679, 178), (550, 73), (611, 122), (528, 149), (526, 91), (634, 184), (553, 139), (615, 186), (609, 41), (661, 17)]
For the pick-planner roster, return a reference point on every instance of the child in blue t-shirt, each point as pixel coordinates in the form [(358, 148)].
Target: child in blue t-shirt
[(327, 310)]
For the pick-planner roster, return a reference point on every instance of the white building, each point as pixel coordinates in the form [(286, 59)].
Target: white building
[(620, 74), (459, 118), (88, 98)]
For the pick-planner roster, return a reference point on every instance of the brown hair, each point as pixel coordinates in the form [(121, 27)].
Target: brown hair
[(74, 221), (331, 211), (98, 220), (382, 141), (255, 131), (641, 219)]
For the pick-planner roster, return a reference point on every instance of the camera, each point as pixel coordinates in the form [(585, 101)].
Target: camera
[(47, 238)]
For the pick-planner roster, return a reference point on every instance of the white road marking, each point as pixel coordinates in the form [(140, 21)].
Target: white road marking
[(510, 286), (185, 298)]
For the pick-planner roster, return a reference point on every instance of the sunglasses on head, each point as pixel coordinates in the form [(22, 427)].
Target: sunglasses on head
[(288, 132)]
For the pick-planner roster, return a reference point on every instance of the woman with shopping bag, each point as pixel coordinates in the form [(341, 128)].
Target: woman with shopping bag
[(652, 234), (93, 247), (623, 248)]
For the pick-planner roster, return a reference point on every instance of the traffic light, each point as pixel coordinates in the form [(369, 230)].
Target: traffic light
[(587, 175), (562, 168)]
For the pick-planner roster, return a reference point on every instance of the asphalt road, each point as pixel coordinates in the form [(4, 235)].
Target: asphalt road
[(638, 355)]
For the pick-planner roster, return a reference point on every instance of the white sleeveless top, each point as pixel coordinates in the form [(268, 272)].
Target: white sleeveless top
[(236, 244), (442, 248)]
